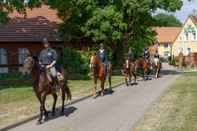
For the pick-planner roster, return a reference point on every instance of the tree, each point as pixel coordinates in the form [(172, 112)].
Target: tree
[(167, 20), (7, 6), (111, 21)]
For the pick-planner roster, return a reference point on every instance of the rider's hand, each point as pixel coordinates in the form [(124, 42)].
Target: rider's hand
[(48, 66)]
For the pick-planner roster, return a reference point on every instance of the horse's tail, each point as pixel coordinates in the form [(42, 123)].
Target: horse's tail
[(68, 92)]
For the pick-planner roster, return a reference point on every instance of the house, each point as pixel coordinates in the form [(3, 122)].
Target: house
[(165, 39), (22, 35), (186, 41)]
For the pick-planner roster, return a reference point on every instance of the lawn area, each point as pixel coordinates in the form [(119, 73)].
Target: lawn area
[(176, 110), (18, 103)]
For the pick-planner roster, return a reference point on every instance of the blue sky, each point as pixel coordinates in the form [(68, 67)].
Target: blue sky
[(187, 9)]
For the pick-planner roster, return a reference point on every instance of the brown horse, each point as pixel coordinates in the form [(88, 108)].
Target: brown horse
[(43, 87), (144, 65), (99, 73), (129, 71)]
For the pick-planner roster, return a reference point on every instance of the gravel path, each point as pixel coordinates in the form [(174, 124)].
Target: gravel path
[(117, 112)]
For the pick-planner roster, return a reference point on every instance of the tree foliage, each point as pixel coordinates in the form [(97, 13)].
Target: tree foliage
[(167, 20), (109, 21)]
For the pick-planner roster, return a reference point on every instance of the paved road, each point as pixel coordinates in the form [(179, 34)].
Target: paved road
[(117, 112)]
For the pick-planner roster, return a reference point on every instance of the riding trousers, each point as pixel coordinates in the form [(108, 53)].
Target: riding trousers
[(51, 72)]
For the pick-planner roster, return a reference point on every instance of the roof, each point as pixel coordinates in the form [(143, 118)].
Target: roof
[(39, 23), (194, 19), (167, 34)]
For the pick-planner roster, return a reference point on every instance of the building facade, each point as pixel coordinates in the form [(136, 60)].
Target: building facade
[(186, 41), (165, 38)]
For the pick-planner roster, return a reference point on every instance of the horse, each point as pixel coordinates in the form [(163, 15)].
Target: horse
[(144, 65), (156, 66), (129, 71), (43, 87), (100, 73)]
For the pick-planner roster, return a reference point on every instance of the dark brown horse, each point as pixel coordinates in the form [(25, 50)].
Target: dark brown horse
[(143, 65), (99, 73), (129, 71), (43, 87)]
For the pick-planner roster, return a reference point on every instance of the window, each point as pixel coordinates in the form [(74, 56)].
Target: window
[(187, 36), (166, 53), (22, 54), (165, 45), (189, 50), (194, 36), (3, 60)]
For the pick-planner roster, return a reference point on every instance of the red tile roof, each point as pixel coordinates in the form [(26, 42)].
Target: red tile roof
[(39, 23), (167, 34)]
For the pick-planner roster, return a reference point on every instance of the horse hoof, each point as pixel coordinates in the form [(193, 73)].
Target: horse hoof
[(39, 122), (53, 113)]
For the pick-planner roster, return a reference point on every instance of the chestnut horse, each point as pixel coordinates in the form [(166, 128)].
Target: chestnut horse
[(100, 73), (144, 65), (42, 87), (129, 71)]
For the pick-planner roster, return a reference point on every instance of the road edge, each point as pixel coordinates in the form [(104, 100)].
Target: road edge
[(36, 116)]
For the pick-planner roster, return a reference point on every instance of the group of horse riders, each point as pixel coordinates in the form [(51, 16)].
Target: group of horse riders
[(47, 75), (48, 57)]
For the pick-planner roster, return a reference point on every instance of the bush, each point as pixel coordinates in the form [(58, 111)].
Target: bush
[(76, 62), (173, 62), (13, 76)]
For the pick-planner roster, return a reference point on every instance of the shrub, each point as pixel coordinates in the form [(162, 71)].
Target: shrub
[(76, 62)]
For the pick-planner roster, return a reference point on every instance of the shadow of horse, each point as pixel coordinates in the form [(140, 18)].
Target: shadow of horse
[(68, 111)]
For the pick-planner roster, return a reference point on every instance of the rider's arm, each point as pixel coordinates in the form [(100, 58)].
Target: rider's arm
[(54, 58)]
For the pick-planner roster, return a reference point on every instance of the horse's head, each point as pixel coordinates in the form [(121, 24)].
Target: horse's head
[(93, 60), (29, 64)]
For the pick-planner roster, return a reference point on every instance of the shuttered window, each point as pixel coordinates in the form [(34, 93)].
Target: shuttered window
[(3, 60)]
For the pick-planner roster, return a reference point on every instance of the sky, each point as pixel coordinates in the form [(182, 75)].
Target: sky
[(187, 9)]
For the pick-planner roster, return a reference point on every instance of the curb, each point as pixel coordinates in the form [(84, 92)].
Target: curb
[(36, 116)]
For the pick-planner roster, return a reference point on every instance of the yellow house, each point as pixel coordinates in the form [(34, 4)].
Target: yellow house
[(165, 38), (186, 41)]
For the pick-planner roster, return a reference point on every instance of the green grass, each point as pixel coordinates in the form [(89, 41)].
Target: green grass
[(19, 102), (176, 110)]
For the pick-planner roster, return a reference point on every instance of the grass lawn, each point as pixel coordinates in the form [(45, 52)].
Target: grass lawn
[(19, 102), (176, 110)]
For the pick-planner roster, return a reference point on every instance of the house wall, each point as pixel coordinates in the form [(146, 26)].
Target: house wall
[(184, 45), (164, 50)]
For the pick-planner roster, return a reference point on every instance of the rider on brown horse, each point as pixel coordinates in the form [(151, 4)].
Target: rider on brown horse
[(102, 55), (146, 54), (47, 59)]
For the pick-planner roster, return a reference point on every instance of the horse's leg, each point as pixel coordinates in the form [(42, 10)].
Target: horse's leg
[(135, 77), (40, 117), (54, 103), (102, 86), (42, 108), (109, 80), (94, 88), (63, 96), (126, 80), (130, 78)]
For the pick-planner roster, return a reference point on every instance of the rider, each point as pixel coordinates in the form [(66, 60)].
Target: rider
[(156, 57), (48, 57), (146, 54), (130, 54), (102, 55)]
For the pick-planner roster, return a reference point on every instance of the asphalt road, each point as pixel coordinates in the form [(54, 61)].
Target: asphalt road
[(116, 112)]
